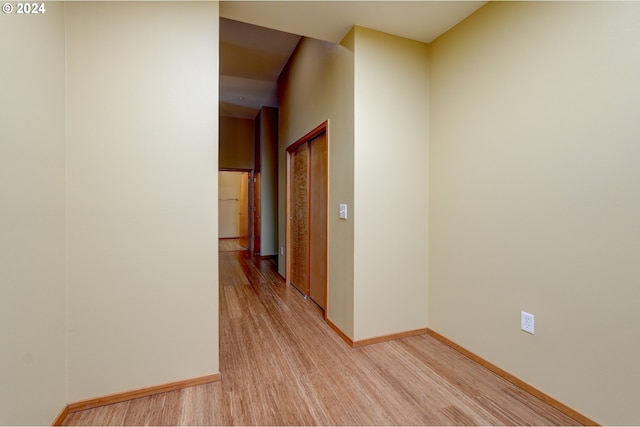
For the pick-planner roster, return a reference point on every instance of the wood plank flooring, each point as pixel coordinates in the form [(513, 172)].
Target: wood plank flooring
[(281, 364), (230, 245)]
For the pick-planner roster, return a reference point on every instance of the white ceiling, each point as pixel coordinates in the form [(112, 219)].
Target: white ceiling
[(252, 56)]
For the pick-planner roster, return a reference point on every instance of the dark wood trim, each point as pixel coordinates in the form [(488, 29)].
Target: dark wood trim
[(516, 381), (384, 338), (322, 127), (340, 333), (142, 392), (61, 416)]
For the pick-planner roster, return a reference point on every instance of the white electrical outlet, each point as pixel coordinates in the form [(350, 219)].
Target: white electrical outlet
[(527, 322)]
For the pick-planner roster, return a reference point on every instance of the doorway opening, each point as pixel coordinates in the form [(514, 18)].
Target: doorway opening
[(234, 210)]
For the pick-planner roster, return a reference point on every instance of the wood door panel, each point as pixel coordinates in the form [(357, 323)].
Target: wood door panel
[(257, 223), (299, 219), (243, 205), (318, 186)]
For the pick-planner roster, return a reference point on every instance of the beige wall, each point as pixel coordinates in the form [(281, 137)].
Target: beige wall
[(268, 180), (379, 170), (237, 143), (318, 85), (534, 197), (32, 217), (142, 289), (390, 169)]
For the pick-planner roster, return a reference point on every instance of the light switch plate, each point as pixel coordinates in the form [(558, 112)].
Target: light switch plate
[(343, 211)]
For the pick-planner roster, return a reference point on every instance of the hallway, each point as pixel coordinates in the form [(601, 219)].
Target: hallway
[(281, 364)]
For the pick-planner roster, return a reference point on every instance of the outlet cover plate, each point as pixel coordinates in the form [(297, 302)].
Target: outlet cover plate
[(527, 322)]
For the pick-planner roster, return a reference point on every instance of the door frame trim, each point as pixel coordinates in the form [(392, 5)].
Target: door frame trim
[(308, 137)]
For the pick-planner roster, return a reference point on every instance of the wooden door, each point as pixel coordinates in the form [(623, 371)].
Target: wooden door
[(299, 218), (256, 214), (243, 206), (318, 180), (307, 225)]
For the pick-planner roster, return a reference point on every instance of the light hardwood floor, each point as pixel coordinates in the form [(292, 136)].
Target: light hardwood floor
[(281, 364), (230, 245)]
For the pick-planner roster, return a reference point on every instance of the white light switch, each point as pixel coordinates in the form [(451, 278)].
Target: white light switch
[(343, 211)]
